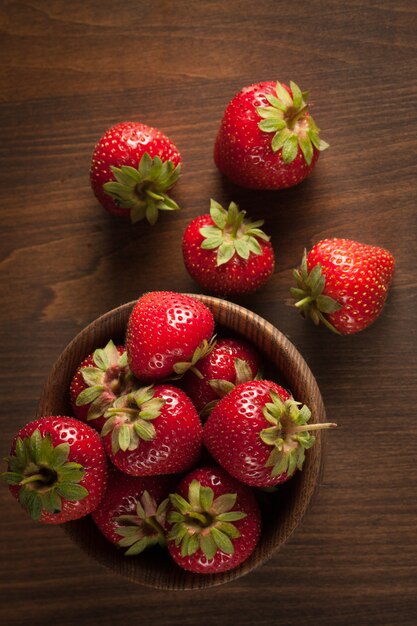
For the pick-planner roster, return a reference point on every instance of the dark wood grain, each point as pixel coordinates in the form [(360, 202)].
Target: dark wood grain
[(71, 69)]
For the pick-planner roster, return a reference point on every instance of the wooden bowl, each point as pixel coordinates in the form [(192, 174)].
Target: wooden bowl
[(282, 511)]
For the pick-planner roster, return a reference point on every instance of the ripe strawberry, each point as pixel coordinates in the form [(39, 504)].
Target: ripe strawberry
[(101, 378), (343, 284), (153, 430), (132, 513), (57, 469), (258, 433), (267, 138), (227, 254), (215, 522), (231, 362), (132, 167), (167, 333)]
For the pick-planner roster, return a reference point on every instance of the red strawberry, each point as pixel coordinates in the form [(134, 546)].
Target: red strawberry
[(133, 165), (231, 362), (101, 378), (267, 138), (343, 284), (132, 513), (215, 522), (167, 333), (227, 254), (153, 430), (57, 469), (258, 433)]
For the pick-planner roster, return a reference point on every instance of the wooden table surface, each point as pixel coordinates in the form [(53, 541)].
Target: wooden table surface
[(70, 70)]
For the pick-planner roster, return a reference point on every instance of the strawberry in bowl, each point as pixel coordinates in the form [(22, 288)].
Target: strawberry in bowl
[(132, 168), (267, 137), (167, 333), (153, 430), (57, 469), (259, 434), (214, 522), (132, 514), (231, 362), (226, 253), (103, 376)]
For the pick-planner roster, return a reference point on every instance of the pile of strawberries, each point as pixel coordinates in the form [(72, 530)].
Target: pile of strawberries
[(175, 430), (172, 430)]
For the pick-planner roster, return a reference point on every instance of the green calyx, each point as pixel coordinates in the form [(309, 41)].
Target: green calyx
[(144, 529), (142, 190), (223, 387), (288, 434), (204, 522), (129, 419), (243, 375), (309, 296), (232, 234), (293, 127), (43, 474), (108, 378), (201, 351)]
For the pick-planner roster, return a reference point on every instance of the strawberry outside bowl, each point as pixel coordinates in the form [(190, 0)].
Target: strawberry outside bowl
[(282, 511)]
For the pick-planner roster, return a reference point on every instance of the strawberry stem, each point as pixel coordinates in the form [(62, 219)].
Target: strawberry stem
[(294, 118), (33, 479), (115, 386), (197, 372), (304, 301), (238, 223), (155, 525), (307, 427), (203, 519), (116, 410), (153, 195)]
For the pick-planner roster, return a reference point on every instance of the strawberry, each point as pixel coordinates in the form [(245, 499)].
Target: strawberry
[(153, 430), (343, 284), (231, 362), (267, 138), (167, 333), (132, 168), (57, 469), (227, 254), (259, 434), (214, 522), (132, 513), (101, 378)]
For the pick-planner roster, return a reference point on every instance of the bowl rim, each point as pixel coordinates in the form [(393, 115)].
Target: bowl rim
[(227, 311)]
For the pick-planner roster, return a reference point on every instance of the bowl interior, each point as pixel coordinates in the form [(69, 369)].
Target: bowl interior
[(281, 511)]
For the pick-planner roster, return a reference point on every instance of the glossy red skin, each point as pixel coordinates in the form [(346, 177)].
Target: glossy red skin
[(165, 328), (86, 448), (78, 385), (236, 277), (177, 444), (218, 365), (249, 527), (358, 276), (243, 152), (231, 433), (125, 144), (121, 496)]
